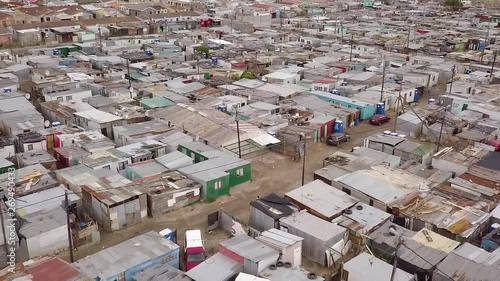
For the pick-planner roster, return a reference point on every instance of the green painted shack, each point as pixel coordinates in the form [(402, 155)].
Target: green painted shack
[(6, 166), (156, 102), (198, 151), (218, 175)]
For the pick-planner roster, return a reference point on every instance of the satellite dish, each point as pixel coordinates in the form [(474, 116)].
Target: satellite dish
[(27, 96), (46, 123)]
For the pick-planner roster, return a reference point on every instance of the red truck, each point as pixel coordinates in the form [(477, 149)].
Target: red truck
[(495, 144)]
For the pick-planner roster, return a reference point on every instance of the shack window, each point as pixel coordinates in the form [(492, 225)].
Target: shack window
[(122, 165), (218, 185), (239, 172), (107, 167), (30, 147)]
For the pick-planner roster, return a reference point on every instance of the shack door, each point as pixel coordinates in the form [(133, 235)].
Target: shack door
[(50, 142)]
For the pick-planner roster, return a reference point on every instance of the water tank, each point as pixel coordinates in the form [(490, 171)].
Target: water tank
[(56, 52), (339, 127), (214, 60), (167, 233), (432, 101), (148, 53), (204, 56), (494, 227), (380, 108)]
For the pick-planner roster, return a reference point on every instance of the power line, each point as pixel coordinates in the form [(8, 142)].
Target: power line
[(404, 244)]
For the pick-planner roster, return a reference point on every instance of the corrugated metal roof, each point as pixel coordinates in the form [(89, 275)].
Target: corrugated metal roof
[(313, 226), (43, 221), (470, 263), (366, 267), (216, 268), (439, 242), (379, 189), (322, 198), (161, 272), (249, 248), (45, 199), (126, 255), (364, 218), (175, 160), (287, 274), (55, 269), (420, 255), (278, 237)]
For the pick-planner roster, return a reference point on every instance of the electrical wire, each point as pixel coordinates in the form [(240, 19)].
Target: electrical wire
[(404, 244)]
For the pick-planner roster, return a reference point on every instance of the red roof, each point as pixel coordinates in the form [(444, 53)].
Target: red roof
[(53, 269), (239, 64), (263, 6)]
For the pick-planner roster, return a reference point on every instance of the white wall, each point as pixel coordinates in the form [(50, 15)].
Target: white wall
[(75, 96), (447, 166), (7, 151), (36, 147), (48, 243)]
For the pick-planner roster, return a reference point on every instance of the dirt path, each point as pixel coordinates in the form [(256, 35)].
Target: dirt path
[(271, 172)]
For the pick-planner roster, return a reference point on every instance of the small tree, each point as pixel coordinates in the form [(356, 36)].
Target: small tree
[(234, 77), (453, 4), (202, 49), (247, 75)]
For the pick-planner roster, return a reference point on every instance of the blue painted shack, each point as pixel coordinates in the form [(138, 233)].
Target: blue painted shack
[(123, 261), (491, 241), (366, 110)]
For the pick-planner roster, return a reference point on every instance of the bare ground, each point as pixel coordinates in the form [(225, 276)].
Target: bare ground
[(271, 172)]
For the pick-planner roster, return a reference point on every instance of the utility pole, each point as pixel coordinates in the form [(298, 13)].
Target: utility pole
[(342, 31), (395, 263), (444, 116), (383, 81), (304, 161), (68, 222), (129, 79), (451, 83), (237, 117), (397, 105), (100, 38), (485, 41), (352, 40), (3, 231), (493, 65), (441, 130), (408, 40)]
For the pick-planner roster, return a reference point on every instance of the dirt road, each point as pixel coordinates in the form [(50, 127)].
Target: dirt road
[(271, 172)]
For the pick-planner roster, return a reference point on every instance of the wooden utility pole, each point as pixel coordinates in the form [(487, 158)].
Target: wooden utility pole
[(383, 81), (68, 222), (395, 263), (397, 105), (485, 41), (100, 38), (237, 117), (304, 161), (5, 234), (352, 41), (493, 64)]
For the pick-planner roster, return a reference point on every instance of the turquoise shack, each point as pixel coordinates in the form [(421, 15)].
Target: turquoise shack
[(366, 110)]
